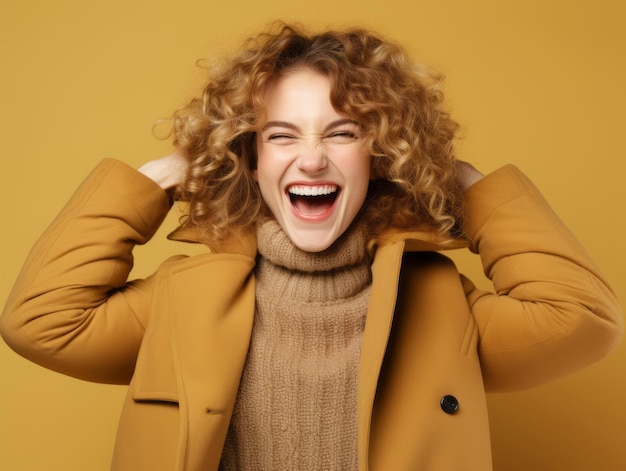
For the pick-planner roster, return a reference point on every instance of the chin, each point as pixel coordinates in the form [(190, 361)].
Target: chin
[(314, 242), (312, 246)]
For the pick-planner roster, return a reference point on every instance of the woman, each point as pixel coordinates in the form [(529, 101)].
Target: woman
[(322, 329)]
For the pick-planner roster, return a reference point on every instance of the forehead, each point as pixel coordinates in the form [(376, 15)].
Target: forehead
[(298, 91)]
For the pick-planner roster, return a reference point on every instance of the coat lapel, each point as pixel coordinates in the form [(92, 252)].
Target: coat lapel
[(389, 251), (385, 273), (211, 334), (195, 349)]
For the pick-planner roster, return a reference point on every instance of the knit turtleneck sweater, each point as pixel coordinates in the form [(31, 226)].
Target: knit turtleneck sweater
[(296, 407)]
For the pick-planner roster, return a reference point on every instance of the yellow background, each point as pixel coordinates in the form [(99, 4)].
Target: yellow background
[(539, 83)]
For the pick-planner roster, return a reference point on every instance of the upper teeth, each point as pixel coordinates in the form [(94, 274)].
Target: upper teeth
[(305, 190)]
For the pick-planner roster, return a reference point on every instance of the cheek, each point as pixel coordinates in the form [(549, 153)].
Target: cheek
[(362, 171), (271, 165), (263, 166), (263, 173), (359, 182)]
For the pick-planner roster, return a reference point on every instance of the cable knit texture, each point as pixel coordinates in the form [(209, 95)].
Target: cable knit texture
[(296, 407)]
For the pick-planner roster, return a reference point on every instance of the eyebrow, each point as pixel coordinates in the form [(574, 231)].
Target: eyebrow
[(289, 125)]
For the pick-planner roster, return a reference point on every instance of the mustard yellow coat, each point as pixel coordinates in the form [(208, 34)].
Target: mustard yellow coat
[(180, 337)]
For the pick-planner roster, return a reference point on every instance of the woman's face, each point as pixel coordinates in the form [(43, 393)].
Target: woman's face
[(313, 169)]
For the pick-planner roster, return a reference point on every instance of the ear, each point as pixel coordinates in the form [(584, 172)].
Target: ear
[(255, 175)]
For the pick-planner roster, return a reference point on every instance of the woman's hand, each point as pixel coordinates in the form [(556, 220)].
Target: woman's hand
[(467, 174), (168, 172)]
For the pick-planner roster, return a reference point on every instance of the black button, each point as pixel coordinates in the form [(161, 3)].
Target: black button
[(449, 404)]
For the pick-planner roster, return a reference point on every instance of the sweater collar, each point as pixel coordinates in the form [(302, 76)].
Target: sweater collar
[(275, 246)]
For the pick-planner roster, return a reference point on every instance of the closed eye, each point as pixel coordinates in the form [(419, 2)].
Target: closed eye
[(344, 133), (341, 137), (280, 138)]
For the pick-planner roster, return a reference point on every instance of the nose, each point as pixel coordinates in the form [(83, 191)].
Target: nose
[(312, 158)]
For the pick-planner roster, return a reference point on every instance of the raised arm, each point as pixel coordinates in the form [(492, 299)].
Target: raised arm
[(553, 312), (72, 309)]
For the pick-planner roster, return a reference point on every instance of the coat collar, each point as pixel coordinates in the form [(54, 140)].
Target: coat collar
[(246, 244), (242, 243), (418, 241)]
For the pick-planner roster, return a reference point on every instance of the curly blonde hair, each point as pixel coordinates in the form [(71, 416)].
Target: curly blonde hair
[(398, 105)]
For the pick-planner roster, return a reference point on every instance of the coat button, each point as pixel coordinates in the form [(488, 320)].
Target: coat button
[(449, 404)]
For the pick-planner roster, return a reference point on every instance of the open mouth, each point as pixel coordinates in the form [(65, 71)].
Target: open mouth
[(311, 201)]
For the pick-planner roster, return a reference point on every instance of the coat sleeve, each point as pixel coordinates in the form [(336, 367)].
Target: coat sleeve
[(552, 311), (72, 309)]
